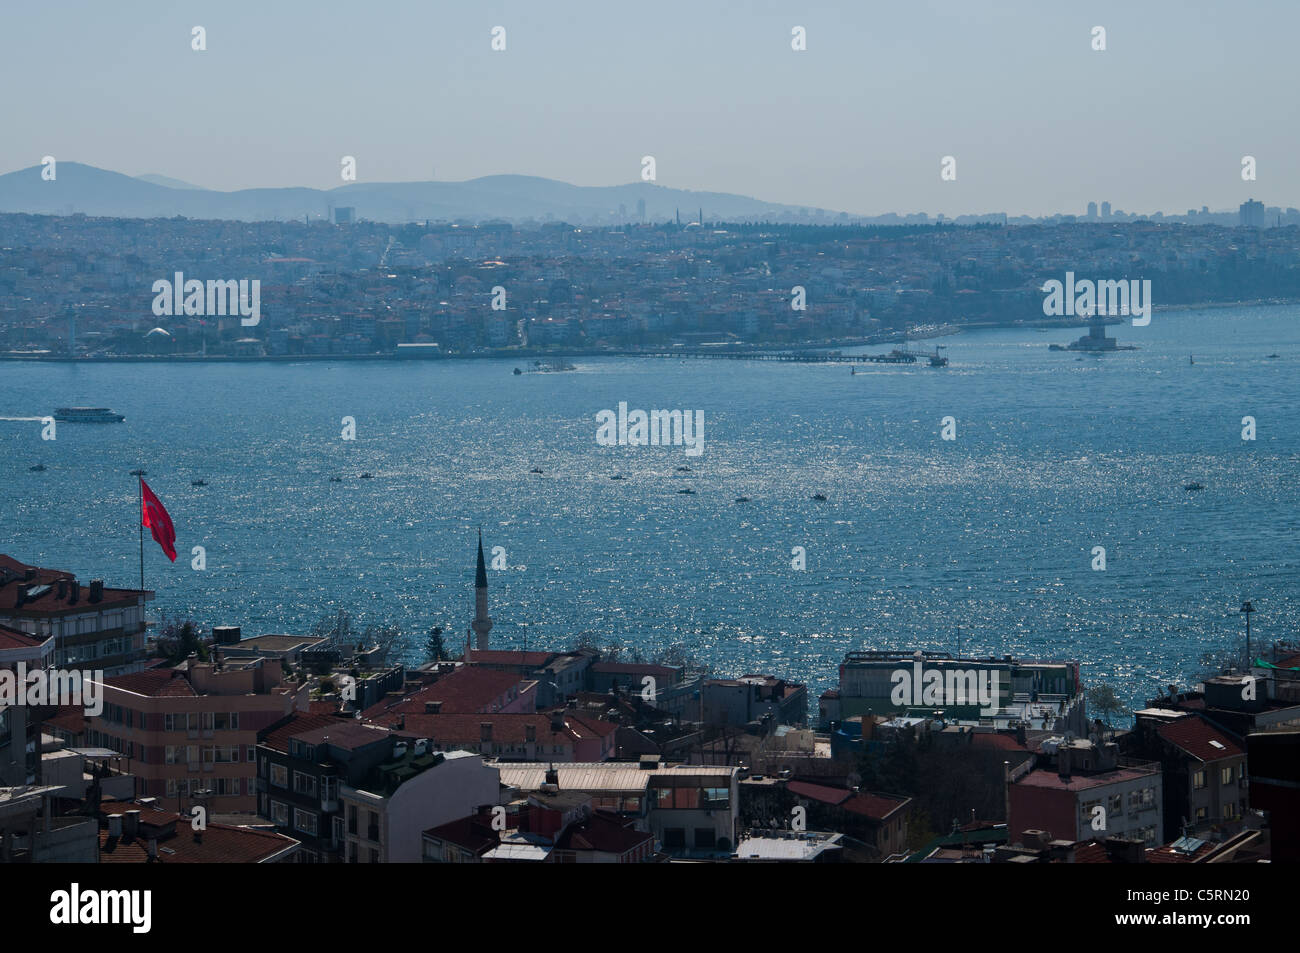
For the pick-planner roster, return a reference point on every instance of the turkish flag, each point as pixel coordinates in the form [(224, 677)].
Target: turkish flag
[(160, 524)]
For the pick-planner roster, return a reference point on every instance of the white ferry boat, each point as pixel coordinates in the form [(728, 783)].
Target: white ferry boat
[(88, 415)]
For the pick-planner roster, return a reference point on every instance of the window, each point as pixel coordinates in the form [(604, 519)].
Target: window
[(304, 784), (169, 722), (280, 813), (304, 821), (1117, 805), (1202, 813), (1198, 780), (172, 754), (1227, 775), (208, 720), (279, 776)]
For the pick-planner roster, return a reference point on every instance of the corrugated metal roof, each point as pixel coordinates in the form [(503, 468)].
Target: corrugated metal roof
[(599, 776)]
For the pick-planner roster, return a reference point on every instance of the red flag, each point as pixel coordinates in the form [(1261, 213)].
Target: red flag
[(160, 524)]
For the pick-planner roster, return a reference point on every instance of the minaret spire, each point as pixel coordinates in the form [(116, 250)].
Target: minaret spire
[(482, 623)]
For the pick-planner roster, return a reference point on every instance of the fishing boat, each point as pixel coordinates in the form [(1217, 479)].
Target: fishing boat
[(198, 483), (88, 415), (687, 491), (742, 499), (39, 468), (820, 496), (1193, 487)]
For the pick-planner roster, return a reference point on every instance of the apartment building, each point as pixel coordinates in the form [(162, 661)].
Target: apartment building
[(413, 790), (93, 627), (190, 732)]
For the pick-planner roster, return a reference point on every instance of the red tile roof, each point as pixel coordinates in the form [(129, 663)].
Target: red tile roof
[(475, 834), (819, 792), (602, 832), (452, 729), (996, 741), (155, 682), (875, 806), (12, 576), (1197, 737), (463, 691), (16, 639), (219, 844), (276, 737), (509, 657)]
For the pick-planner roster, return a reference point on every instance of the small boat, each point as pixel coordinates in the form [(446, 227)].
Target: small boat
[(820, 496), (198, 483), (742, 499), (88, 415), (683, 469), (1190, 359), (1272, 357), (535, 470), (688, 491), (518, 372), (366, 476), (618, 476), (336, 479), (39, 468), (1192, 487)]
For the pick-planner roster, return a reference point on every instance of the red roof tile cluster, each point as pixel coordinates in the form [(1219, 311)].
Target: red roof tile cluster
[(475, 834), (510, 657), (178, 843), (463, 691), (455, 729), (13, 576), (16, 639), (875, 806), (1199, 739), (276, 737), (154, 682), (602, 832)]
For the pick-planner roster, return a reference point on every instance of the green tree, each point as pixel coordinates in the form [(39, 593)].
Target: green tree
[(434, 648), (1105, 704)]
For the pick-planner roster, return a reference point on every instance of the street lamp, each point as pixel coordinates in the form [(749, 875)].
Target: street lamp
[(1247, 609)]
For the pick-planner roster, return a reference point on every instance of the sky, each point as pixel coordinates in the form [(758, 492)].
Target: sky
[(1037, 120)]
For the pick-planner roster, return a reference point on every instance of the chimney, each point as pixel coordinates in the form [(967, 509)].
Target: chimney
[(61, 588), (115, 825), (1063, 762), (130, 824), (21, 597), (557, 722), (552, 776), (96, 590), (29, 573), (153, 849), (74, 592)]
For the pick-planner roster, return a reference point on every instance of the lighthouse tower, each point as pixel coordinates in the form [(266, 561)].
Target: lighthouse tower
[(482, 623)]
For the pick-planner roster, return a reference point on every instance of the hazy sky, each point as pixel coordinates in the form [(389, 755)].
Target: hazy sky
[(1037, 120)]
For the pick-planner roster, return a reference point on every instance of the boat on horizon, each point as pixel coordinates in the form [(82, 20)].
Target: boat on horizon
[(88, 415), (39, 468)]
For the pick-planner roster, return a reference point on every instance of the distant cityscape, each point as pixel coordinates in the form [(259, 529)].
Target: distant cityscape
[(80, 287)]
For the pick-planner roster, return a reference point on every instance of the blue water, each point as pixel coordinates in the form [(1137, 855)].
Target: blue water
[(990, 535)]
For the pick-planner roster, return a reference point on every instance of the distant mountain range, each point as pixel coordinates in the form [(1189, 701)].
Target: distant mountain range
[(86, 189)]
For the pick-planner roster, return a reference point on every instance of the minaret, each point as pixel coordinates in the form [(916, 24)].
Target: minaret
[(482, 624)]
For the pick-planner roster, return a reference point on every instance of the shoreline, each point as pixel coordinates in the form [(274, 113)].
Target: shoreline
[(922, 333)]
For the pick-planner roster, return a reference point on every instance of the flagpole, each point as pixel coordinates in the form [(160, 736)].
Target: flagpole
[(140, 475)]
